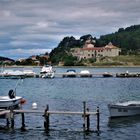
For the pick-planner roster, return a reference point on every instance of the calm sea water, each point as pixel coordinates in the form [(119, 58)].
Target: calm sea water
[(68, 94)]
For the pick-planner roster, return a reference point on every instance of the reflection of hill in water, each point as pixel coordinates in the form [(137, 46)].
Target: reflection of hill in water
[(124, 121)]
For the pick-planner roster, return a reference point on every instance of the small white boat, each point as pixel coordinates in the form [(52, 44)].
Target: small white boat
[(11, 74), (11, 100), (70, 73), (85, 73), (107, 74), (6, 102), (29, 73), (47, 72), (124, 109)]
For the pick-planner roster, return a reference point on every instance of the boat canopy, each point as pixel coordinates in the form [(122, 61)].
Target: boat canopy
[(129, 103)]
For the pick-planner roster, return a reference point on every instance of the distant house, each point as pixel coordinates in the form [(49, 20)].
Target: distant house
[(46, 56), (21, 59), (33, 57), (89, 51)]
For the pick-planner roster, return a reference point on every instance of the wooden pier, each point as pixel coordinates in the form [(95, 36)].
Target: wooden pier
[(79, 75), (9, 116), (90, 75)]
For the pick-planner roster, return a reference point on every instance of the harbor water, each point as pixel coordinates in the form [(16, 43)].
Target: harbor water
[(68, 94)]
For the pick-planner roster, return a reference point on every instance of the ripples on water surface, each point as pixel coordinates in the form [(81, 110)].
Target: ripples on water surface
[(68, 94)]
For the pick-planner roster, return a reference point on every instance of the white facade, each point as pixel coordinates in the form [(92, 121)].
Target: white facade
[(89, 51)]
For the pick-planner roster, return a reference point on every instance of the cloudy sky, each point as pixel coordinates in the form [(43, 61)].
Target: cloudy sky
[(29, 27)]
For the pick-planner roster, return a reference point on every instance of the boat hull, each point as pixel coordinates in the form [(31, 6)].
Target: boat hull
[(6, 102), (47, 75), (123, 111), (47, 72), (69, 75), (107, 75)]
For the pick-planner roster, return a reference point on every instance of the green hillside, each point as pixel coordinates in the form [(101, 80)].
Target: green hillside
[(2, 59), (127, 39)]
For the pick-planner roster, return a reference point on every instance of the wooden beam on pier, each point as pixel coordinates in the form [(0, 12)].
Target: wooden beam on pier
[(55, 112), (4, 112)]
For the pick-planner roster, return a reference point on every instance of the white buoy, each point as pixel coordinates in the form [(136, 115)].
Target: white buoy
[(34, 105)]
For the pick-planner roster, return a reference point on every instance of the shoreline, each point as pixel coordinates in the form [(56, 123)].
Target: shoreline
[(111, 66)]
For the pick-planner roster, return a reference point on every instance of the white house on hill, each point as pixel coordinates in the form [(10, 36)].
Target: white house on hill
[(89, 51)]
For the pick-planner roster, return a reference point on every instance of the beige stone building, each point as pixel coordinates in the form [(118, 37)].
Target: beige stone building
[(89, 51)]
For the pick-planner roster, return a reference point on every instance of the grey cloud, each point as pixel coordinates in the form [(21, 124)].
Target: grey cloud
[(41, 24)]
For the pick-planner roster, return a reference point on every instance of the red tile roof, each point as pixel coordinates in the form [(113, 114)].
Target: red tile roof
[(95, 48)]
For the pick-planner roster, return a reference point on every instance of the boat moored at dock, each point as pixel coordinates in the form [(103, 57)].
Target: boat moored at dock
[(127, 75), (124, 109), (47, 72), (7, 102), (11, 74), (29, 73), (107, 74), (85, 73), (70, 73)]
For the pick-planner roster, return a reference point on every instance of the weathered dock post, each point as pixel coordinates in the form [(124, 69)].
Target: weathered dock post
[(12, 118), (86, 124), (88, 120), (98, 120), (84, 115), (23, 122), (7, 122), (47, 120)]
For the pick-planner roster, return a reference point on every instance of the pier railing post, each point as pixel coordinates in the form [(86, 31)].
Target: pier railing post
[(88, 120), (98, 120), (47, 120), (23, 122), (12, 118), (7, 122), (7, 116), (84, 115)]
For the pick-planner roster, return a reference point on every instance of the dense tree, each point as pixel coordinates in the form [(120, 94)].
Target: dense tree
[(127, 39)]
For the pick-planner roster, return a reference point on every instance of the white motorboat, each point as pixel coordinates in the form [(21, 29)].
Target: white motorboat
[(47, 72), (85, 73), (11, 100), (7, 102), (107, 74), (12, 74), (124, 109), (29, 73), (70, 73)]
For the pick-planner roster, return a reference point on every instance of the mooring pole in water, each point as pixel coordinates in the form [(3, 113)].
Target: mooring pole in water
[(88, 120), (84, 115), (23, 122), (7, 122), (12, 118), (47, 120), (98, 120)]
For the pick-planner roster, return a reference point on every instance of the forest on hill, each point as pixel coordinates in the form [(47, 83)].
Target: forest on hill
[(3, 59), (128, 39)]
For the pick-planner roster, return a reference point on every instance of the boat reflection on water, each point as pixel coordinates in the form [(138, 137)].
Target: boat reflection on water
[(123, 121)]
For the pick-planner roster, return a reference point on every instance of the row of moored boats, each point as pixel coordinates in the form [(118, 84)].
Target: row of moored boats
[(48, 72)]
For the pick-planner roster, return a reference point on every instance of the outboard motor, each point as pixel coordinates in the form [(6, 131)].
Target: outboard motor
[(11, 94)]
